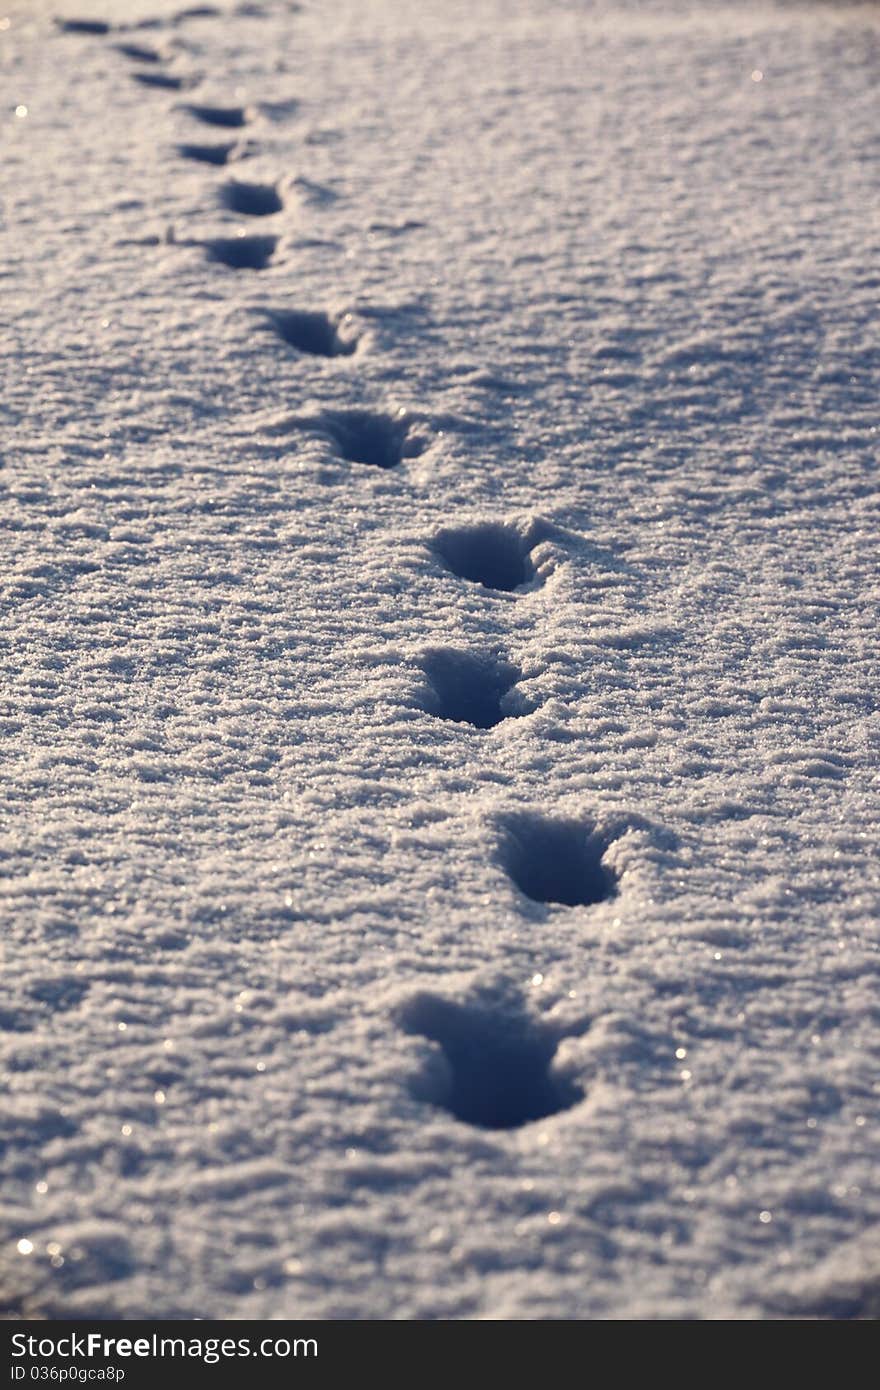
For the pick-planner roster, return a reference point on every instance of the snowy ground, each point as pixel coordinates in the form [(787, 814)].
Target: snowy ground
[(283, 1035)]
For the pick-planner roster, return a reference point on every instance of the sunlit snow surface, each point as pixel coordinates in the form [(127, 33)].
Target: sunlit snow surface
[(440, 701)]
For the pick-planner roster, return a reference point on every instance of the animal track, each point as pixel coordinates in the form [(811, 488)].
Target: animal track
[(364, 436), (161, 79), (312, 332), (497, 1073), (466, 687), (557, 861), (196, 12), (138, 54), (231, 117), (251, 199), (490, 554), (242, 252), (207, 154), (83, 26)]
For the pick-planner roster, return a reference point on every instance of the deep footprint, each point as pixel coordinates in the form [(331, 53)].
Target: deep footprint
[(196, 12), (164, 80), (251, 199), (138, 54), (311, 332), (83, 26), (498, 1061), (243, 252), (467, 687), (363, 436), (206, 154), (557, 861), (490, 554), (231, 117)]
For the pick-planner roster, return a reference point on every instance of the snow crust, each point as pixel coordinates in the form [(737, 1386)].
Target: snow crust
[(502, 521)]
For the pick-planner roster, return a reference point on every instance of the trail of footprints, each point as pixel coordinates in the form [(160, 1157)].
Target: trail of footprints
[(498, 1072)]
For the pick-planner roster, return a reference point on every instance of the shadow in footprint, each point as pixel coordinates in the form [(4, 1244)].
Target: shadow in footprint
[(163, 80), (311, 332), (557, 861), (138, 54), (467, 687), (251, 199), (207, 154), (231, 117), (196, 12), (490, 554), (497, 1073), (242, 252), (83, 26), (365, 436)]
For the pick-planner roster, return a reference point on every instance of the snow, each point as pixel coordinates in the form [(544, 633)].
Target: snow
[(498, 517)]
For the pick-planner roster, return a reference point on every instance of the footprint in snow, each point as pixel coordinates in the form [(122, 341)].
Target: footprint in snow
[(491, 554), (312, 332), (468, 687), (207, 154), (196, 12), (139, 54), (251, 199), (243, 11), (83, 26), (369, 437), (494, 1068), (164, 80), (557, 861), (242, 252), (230, 117)]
